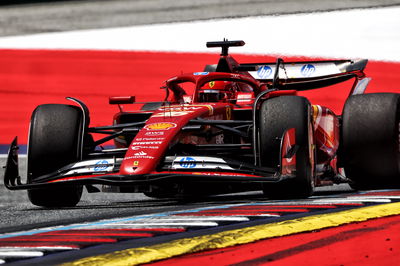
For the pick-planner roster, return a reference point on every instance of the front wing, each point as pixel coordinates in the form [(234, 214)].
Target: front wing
[(92, 173)]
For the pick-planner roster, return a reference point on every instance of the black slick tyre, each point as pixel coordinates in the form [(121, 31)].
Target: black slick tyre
[(370, 140), (276, 116), (54, 141)]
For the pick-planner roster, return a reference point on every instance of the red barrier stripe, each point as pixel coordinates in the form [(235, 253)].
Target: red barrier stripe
[(223, 211), (143, 232), (166, 230), (349, 204), (262, 207), (32, 77), (228, 214), (269, 209)]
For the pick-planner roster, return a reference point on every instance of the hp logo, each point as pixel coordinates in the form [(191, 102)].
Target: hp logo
[(264, 72), (187, 162), (307, 70), (101, 166)]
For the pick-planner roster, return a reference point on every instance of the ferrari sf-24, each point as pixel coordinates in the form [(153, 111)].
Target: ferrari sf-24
[(231, 127)]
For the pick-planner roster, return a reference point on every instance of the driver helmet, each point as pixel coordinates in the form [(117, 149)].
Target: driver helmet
[(216, 91)]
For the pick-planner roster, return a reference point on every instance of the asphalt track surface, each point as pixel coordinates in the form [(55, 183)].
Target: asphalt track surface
[(16, 212)]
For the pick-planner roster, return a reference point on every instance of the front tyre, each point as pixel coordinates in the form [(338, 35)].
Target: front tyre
[(55, 138), (276, 116)]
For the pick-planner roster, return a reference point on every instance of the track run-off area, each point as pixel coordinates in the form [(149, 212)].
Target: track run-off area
[(255, 232), (334, 227)]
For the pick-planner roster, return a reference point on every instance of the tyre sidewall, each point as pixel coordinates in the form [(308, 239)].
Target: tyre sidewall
[(370, 139), (54, 141), (276, 116)]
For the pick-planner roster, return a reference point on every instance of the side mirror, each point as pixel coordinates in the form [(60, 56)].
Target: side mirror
[(121, 99)]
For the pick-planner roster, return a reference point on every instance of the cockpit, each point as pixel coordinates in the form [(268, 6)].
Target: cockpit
[(192, 89)]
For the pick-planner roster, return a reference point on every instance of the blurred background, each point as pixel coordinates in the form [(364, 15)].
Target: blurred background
[(95, 49)]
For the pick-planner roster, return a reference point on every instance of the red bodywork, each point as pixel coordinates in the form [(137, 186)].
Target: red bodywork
[(165, 124), (205, 132), (161, 129)]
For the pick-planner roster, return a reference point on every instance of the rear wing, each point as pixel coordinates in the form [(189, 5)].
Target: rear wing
[(305, 69), (306, 75)]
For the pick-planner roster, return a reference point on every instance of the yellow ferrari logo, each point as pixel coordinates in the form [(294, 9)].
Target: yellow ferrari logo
[(228, 113), (211, 84)]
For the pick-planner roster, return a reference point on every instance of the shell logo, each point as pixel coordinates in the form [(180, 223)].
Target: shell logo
[(160, 126)]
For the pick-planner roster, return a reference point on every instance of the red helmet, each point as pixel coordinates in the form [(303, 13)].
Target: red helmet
[(217, 91)]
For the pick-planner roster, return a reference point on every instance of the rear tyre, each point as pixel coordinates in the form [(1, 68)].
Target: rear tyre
[(276, 116), (370, 140), (54, 141)]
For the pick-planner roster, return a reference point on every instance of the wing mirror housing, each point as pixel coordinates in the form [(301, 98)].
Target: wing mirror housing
[(121, 99)]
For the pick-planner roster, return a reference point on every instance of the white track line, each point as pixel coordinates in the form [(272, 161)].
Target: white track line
[(162, 224), (351, 200), (18, 254), (40, 248), (373, 197), (204, 218), (4, 156), (357, 33)]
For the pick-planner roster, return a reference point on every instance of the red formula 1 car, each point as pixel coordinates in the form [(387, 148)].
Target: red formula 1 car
[(235, 127)]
